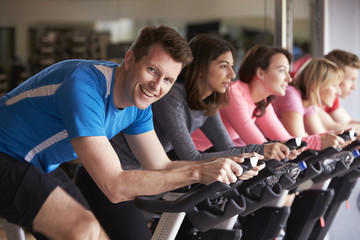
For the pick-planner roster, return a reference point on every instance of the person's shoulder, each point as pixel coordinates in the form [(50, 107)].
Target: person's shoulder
[(238, 87), (174, 98), (104, 63), (177, 90), (291, 88), (83, 64), (134, 111), (179, 87), (238, 84), (291, 91), (291, 95)]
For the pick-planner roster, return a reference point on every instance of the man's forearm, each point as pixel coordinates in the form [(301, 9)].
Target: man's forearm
[(180, 163), (134, 183)]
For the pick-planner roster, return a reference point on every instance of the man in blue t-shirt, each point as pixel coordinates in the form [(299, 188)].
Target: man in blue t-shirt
[(70, 110)]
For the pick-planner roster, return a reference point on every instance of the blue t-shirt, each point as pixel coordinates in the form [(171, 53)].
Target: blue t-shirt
[(69, 99)]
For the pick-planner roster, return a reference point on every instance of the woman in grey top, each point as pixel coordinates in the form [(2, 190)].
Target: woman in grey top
[(194, 102)]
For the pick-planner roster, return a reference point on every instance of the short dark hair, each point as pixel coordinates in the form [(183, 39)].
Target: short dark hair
[(172, 42), (343, 59)]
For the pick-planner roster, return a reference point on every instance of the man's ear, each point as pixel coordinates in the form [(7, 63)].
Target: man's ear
[(129, 59)]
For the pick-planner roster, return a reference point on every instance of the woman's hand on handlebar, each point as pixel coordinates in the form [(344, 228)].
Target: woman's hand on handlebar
[(252, 172), (295, 153), (331, 140), (276, 150)]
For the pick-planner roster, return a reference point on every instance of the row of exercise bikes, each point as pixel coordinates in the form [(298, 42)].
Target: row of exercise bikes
[(254, 209)]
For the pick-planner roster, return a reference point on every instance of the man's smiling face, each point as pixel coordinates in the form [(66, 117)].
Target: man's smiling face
[(150, 78)]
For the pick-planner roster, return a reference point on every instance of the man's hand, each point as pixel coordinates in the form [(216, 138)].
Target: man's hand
[(228, 170), (224, 170)]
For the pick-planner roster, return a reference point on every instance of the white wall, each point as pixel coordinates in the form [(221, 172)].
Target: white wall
[(344, 33)]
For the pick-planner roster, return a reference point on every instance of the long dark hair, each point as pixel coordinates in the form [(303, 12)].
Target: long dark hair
[(259, 56), (205, 48)]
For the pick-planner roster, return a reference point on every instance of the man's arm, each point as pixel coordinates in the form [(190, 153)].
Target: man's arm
[(338, 119), (340, 116), (328, 121), (103, 165), (143, 144)]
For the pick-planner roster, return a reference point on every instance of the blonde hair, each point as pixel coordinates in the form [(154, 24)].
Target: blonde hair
[(316, 74)]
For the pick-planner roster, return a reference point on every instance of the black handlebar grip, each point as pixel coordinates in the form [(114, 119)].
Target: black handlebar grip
[(295, 143), (348, 135), (249, 163)]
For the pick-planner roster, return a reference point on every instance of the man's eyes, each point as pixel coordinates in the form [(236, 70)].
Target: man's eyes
[(168, 80)]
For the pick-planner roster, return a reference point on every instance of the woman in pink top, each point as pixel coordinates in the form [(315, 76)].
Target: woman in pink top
[(243, 125), (316, 84), (249, 117)]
